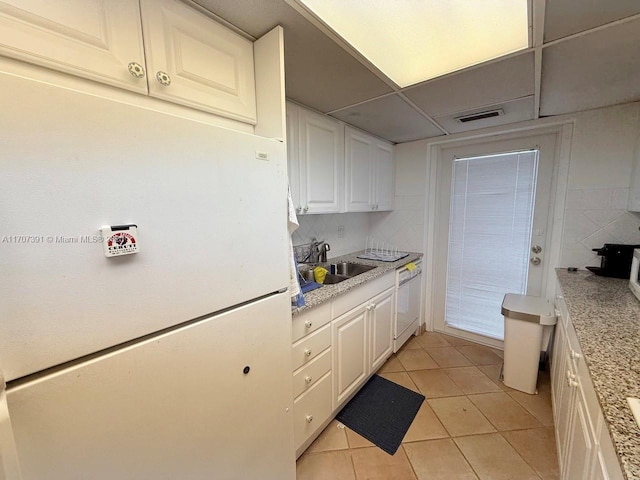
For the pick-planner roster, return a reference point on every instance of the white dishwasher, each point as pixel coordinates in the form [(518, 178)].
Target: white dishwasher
[(408, 300)]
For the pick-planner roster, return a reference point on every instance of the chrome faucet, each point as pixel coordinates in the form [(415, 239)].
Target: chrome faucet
[(318, 251)]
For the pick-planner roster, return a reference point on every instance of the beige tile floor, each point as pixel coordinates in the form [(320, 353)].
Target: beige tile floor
[(470, 427)]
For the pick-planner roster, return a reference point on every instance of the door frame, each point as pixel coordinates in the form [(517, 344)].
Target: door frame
[(563, 132)]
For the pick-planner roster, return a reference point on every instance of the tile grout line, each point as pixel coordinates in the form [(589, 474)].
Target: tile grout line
[(415, 474)]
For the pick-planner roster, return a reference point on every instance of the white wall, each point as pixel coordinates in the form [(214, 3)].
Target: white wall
[(599, 175), (602, 152)]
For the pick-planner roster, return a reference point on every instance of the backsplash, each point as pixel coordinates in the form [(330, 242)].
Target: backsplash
[(352, 236), (593, 217), (404, 226)]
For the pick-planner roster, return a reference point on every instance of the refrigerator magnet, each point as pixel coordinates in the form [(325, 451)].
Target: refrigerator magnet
[(118, 240)]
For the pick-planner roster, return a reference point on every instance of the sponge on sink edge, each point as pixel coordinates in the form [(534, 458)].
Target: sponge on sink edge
[(319, 274)]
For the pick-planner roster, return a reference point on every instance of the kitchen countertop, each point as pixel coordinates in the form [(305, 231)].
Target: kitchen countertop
[(328, 292), (606, 317)]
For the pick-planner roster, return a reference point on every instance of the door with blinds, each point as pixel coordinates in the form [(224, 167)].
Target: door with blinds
[(491, 229)]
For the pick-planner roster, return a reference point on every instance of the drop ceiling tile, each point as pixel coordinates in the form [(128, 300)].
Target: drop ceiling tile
[(514, 111), (389, 117), (318, 72), (492, 83), (566, 17), (591, 71)]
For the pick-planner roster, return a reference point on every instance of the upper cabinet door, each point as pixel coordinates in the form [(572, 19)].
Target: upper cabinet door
[(321, 154), (384, 175), (194, 61), (293, 157), (95, 39), (358, 171)]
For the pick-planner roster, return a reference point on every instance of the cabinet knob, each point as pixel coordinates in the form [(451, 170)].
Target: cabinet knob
[(307, 352), (163, 78), (298, 209), (136, 70), (575, 355), (309, 418), (572, 383), (376, 206), (308, 379), (306, 208), (308, 324)]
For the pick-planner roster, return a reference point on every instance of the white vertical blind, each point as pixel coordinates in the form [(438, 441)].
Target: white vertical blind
[(491, 216)]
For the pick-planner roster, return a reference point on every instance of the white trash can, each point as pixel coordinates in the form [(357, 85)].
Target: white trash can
[(526, 320)]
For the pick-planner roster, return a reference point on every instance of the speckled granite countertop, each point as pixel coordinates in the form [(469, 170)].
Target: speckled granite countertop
[(606, 317), (327, 292)]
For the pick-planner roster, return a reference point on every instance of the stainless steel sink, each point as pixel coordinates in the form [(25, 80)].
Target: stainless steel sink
[(331, 279), (344, 271), (352, 269)]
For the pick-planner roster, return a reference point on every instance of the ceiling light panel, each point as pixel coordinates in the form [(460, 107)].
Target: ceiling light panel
[(414, 40)]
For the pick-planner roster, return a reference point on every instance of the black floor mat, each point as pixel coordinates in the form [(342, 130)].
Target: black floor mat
[(382, 412)]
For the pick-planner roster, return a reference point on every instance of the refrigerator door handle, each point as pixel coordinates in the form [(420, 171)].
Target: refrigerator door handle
[(9, 465)]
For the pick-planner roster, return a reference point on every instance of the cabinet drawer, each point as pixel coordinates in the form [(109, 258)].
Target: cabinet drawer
[(310, 346), (311, 409), (305, 377), (310, 321)]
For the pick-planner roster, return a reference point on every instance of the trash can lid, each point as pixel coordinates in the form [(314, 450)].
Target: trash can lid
[(528, 308)]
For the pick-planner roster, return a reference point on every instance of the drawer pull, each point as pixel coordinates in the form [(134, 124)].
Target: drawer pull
[(308, 379), (307, 352), (308, 324), (309, 418)]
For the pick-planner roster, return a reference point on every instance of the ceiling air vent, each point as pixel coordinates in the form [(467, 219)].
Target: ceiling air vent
[(480, 115)]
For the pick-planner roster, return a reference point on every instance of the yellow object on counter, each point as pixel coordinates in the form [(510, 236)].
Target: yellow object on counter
[(319, 274), (411, 266)]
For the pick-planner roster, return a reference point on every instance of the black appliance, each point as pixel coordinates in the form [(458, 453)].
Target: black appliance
[(616, 260)]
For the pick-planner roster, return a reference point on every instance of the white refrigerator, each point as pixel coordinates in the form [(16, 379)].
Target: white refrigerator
[(170, 363)]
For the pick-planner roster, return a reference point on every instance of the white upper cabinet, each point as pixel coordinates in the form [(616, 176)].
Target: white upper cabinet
[(95, 39), (634, 190), (293, 157), (384, 179), (320, 163), (336, 168), (368, 173), (195, 61), (161, 47), (359, 169)]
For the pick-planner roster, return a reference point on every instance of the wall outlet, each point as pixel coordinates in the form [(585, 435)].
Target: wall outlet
[(340, 231)]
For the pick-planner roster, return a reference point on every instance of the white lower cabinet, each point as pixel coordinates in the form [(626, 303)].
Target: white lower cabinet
[(381, 329), (349, 339), (337, 346), (585, 450), (311, 409)]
